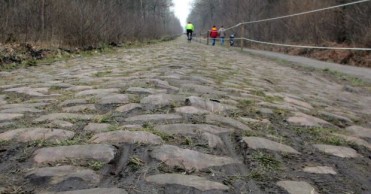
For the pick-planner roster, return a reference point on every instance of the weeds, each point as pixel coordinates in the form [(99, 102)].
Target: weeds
[(273, 99), (322, 135), (95, 165), (342, 76), (251, 133), (135, 162), (107, 118), (150, 128), (102, 73), (245, 103), (333, 140), (266, 161)]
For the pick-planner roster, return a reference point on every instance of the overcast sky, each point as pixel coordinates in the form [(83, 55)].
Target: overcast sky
[(182, 9)]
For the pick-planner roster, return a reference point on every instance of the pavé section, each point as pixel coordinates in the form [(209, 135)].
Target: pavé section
[(95, 191), (355, 140), (209, 105), (33, 134), (56, 175), (129, 108), (21, 110), (73, 102), (143, 91), (102, 92), (160, 100), (320, 170), (359, 131), (155, 118), (197, 182), (100, 152), (79, 88), (114, 99), (213, 140), (97, 127), (297, 187), (188, 159), (339, 151), (298, 103), (127, 137), (192, 129), (63, 116), (80, 108), (261, 143), (118, 109), (191, 110), (306, 120), (37, 92), (60, 124), (9, 117), (25, 105), (226, 122)]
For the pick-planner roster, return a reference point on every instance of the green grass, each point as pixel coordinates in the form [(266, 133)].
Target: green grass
[(354, 81), (245, 103), (135, 162), (107, 118), (77, 140), (150, 128), (259, 93), (95, 165), (15, 98), (273, 99), (102, 73), (252, 133), (333, 140), (266, 161), (322, 135), (315, 132)]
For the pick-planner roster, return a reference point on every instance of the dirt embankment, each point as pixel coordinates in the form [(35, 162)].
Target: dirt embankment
[(16, 55), (345, 57)]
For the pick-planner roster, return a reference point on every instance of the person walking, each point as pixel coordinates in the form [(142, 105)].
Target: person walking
[(214, 34), (221, 35), (190, 29)]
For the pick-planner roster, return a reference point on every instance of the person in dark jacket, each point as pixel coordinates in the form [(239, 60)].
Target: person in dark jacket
[(214, 34)]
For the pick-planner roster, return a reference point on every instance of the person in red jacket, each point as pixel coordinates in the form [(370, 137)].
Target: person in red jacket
[(214, 34)]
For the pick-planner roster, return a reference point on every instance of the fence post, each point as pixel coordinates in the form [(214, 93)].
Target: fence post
[(208, 37), (242, 35)]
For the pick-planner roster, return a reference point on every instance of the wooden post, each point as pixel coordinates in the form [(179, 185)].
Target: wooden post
[(228, 43), (208, 38), (242, 35)]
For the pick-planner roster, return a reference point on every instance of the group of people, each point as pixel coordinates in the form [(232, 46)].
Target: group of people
[(214, 34)]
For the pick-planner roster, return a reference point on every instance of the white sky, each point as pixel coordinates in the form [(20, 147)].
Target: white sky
[(182, 9)]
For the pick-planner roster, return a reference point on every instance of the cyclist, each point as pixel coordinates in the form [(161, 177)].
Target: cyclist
[(190, 29)]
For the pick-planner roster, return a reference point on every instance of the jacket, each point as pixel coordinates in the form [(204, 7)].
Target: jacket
[(214, 33), (190, 27), (221, 32)]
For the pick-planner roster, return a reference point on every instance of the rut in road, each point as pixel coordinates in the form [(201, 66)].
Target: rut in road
[(182, 118)]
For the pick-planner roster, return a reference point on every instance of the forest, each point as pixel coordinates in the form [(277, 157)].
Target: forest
[(344, 27), (85, 22)]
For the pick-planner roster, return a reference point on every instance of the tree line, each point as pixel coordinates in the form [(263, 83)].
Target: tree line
[(348, 25), (86, 22)]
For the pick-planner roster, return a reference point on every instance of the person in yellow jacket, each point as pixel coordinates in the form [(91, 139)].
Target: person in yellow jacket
[(190, 29)]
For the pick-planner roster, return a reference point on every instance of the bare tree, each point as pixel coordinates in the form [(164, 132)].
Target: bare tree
[(86, 22)]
